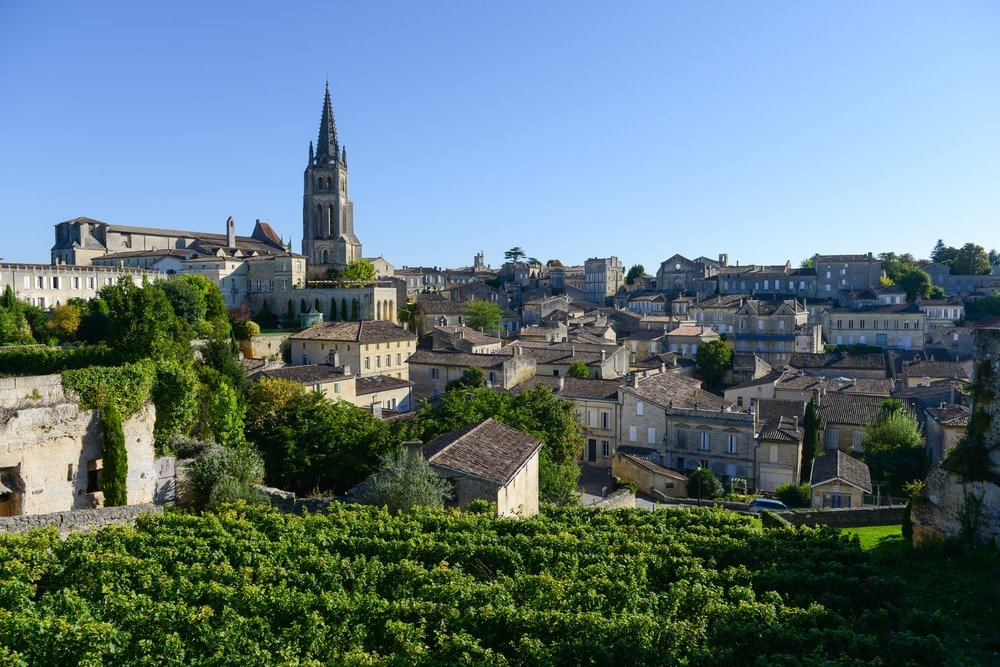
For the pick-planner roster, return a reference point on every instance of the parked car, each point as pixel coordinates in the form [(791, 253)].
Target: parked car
[(766, 504)]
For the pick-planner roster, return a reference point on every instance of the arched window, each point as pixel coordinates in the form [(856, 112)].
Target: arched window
[(329, 182), (334, 227), (319, 181), (326, 256), (319, 220), (378, 310)]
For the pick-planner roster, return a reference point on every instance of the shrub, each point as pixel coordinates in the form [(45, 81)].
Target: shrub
[(793, 495), (625, 484), (702, 483), (220, 475), (772, 521)]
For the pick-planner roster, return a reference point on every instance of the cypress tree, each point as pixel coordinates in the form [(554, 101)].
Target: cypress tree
[(810, 439), (343, 309), (355, 310), (114, 457)]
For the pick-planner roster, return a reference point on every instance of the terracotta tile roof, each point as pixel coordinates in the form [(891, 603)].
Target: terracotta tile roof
[(367, 331), (474, 336), (774, 409), (771, 378), (308, 374), (488, 450), (376, 383), (850, 409), (590, 388), (950, 415), (688, 330), (783, 430), (460, 359), (838, 466), (652, 467), (667, 389), (837, 361), (442, 307)]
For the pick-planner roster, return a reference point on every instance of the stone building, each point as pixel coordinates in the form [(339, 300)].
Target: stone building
[(896, 326), (489, 461), (851, 272), (604, 276), (50, 450), (50, 285), (432, 370), (839, 480), (328, 239), (944, 427), (774, 330), (369, 347)]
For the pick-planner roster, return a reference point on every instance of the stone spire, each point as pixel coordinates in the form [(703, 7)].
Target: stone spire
[(326, 148), (343, 157)]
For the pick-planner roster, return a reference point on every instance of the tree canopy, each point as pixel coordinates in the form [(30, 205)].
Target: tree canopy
[(970, 259), (404, 481), (635, 271), (358, 271), (514, 254), (894, 447), (714, 358), (483, 315)]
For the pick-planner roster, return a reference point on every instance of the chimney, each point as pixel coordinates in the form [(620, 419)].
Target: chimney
[(562, 383), (572, 350), (604, 355), (347, 369), (231, 232), (663, 367), (926, 382), (795, 423), (635, 380)]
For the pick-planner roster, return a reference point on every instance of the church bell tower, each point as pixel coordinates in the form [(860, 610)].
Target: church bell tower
[(328, 239)]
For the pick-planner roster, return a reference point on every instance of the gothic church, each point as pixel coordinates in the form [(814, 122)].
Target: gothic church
[(328, 239)]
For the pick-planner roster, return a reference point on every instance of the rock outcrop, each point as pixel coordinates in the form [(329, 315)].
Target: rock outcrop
[(961, 497)]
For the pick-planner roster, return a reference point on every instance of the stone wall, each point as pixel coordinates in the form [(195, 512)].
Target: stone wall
[(616, 500), (31, 390), (79, 519), (846, 517)]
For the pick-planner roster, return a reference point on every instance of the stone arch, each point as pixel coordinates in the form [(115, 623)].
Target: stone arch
[(378, 310), (319, 220), (326, 256), (392, 310), (329, 182)]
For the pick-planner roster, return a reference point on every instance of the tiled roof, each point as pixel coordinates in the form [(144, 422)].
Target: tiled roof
[(442, 307), (460, 359), (937, 369), (722, 301), (652, 467), (771, 378), (367, 331), (308, 374), (851, 409), (667, 389), (805, 382), (837, 361), (950, 415), (688, 330), (375, 383), (488, 450), (774, 409), (843, 258), (838, 466), (474, 336), (783, 430), (590, 388)]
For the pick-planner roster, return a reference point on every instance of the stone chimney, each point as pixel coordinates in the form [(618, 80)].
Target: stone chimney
[(562, 383), (230, 233), (572, 351), (604, 355)]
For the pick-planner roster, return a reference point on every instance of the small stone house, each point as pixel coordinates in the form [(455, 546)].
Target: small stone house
[(945, 425), (839, 480), (489, 461), (649, 478), (369, 347)]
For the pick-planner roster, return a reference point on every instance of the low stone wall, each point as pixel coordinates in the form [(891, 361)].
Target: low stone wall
[(853, 517), (616, 500), (694, 502), (285, 501), (78, 519), (30, 390)]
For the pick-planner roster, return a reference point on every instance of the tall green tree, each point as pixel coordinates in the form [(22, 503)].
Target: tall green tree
[(578, 369), (714, 359), (142, 323), (636, 271), (358, 271), (483, 315), (811, 446), (894, 447), (515, 254)]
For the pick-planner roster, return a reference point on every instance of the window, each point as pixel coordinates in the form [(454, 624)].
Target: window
[(399, 361), (840, 324), (830, 438), (604, 420), (378, 362), (388, 360), (27, 282), (858, 438), (651, 436), (731, 443), (638, 408), (94, 475), (92, 282), (632, 433), (704, 441), (703, 463), (682, 438), (591, 418), (433, 372), (680, 463), (368, 363), (605, 449), (76, 282), (55, 282), (336, 387)]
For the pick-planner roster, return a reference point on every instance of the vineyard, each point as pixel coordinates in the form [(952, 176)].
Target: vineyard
[(250, 586)]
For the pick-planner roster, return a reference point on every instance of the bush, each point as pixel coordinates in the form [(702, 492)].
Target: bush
[(625, 484), (702, 483), (794, 495), (220, 474), (772, 521)]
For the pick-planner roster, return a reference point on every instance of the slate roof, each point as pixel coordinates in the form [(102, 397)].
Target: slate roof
[(367, 331), (376, 383), (838, 466), (488, 450)]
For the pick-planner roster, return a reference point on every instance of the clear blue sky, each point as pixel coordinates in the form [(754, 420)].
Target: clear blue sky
[(767, 130)]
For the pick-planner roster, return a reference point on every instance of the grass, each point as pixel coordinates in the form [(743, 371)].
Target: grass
[(873, 536)]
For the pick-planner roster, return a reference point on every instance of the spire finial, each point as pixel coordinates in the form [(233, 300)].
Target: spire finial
[(326, 148), (343, 156)]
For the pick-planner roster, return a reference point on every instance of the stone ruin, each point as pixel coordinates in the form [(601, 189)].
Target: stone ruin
[(961, 497)]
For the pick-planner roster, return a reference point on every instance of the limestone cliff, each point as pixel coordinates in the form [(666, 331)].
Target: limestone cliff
[(961, 497)]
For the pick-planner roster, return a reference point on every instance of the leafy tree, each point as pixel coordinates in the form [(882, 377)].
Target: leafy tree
[(916, 282), (578, 369), (187, 301), (994, 257), (810, 439), (264, 398), (406, 480), (514, 254), (141, 322), (219, 475), (358, 271), (894, 447), (472, 377), (807, 263), (702, 483), (408, 312), (314, 444), (971, 259), (714, 358), (265, 317), (794, 495), (65, 321), (483, 315), (636, 271), (980, 308)]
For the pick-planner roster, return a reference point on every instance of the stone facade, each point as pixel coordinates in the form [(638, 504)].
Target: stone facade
[(50, 285), (840, 272), (368, 347), (375, 302), (50, 456), (896, 326), (328, 239), (603, 277), (649, 478)]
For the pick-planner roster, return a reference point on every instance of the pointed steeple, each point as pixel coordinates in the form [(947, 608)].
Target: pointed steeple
[(326, 148), (343, 157), (310, 152)]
